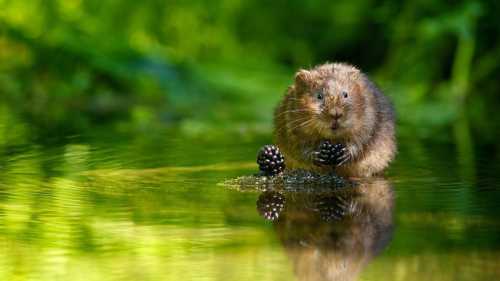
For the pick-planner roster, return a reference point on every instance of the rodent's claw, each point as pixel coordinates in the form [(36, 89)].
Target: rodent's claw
[(331, 154), (319, 158), (342, 159)]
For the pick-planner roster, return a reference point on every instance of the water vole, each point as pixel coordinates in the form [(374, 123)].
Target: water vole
[(336, 103)]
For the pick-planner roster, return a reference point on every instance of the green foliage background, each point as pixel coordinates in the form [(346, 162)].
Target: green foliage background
[(65, 65)]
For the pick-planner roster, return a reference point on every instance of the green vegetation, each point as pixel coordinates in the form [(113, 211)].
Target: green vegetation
[(67, 65)]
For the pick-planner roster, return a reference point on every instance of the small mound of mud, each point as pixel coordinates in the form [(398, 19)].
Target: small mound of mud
[(293, 180)]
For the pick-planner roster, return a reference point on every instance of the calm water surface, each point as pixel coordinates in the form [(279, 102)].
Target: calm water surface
[(149, 207)]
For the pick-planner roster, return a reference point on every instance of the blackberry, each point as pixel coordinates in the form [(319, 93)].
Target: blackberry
[(271, 161), (270, 204), (331, 154)]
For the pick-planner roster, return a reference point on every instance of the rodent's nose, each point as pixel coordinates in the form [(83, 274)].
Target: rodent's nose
[(336, 114)]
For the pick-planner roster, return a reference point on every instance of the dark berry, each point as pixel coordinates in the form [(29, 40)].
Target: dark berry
[(270, 204), (331, 154), (271, 161)]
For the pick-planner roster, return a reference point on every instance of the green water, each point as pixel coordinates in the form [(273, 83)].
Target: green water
[(148, 206)]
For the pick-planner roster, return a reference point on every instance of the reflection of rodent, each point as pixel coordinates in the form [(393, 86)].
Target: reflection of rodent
[(334, 236), (336, 103)]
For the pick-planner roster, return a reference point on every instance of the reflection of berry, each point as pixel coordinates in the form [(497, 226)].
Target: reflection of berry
[(331, 154), (332, 208), (270, 204), (271, 161)]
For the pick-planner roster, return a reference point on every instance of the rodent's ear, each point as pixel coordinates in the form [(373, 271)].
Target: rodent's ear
[(359, 86), (303, 78)]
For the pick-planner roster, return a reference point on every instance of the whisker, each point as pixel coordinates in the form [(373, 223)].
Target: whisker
[(285, 126), (295, 122), (307, 122), (291, 111), (294, 99)]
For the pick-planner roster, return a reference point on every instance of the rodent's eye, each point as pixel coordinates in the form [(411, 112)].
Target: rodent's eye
[(319, 96), (344, 94)]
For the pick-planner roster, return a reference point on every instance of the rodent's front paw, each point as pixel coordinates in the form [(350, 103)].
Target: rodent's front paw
[(331, 154)]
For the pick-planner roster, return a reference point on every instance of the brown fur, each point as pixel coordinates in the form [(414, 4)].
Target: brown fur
[(366, 126)]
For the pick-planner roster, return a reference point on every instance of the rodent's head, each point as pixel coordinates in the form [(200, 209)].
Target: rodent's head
[(332, 96)]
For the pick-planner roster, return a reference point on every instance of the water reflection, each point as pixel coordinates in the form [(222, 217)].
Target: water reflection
[(332, 235)]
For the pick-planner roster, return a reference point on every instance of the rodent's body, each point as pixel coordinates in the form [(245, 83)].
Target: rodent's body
[(337, 103)]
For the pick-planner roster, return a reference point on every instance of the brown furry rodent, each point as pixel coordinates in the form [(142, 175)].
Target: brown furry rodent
[(336, 102)]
